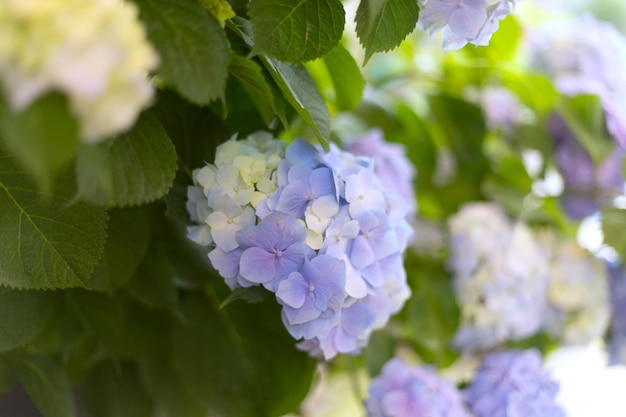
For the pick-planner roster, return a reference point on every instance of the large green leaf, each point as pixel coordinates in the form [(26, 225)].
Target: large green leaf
[(43, 137), (296, 84), (46, 384), (192, 44), (248, 74), (47, 241), (296, 30), (125, 248), (381, 25), (115, 390), (135, 168), (239, 361), (346, 77), (153, 284), (23, 315)]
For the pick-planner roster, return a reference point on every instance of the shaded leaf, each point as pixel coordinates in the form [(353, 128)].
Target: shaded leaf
[(381, 25), (243, 348), (114, 390), (135, 168), (297, 86), (346, 77), (46, 384), (23, 315), (153, 284), (248, 74), (46, 244), (43, 137), (252, 295), (125, 248), (192, 44), (296, 30)]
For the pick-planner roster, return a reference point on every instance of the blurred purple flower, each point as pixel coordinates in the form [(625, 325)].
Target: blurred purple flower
[(408, 391), (513, 384)]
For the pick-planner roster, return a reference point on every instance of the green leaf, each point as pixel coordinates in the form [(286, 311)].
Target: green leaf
[(346, 77), (46, 384), (125, 248), (432, 313), (613, 228), (44, 137), (23, 315), (250, 294), (296, 84), (381, 25), (296, 30), (167, 390), (248, 74), (101, 315), (135, 168), (153, 284), (584, 115), (464, 127), (192, 44), (114, 390), (243, 348), (46, 245)]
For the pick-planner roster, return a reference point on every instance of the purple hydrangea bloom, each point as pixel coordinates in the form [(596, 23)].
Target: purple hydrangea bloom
[(587, 187), (464, 21), (409, 391), (314, 290), (391, 164), (272, 250), (317, 229), (513, 384)]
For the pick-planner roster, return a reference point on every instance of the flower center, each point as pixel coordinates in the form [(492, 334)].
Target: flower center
[(311, 287), (278, 253)]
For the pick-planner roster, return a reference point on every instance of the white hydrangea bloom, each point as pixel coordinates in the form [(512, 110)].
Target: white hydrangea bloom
[(225, 195), (500, 277), (93, 51), (578, 299)]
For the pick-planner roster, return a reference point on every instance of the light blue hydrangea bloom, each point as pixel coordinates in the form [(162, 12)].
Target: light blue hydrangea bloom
[(410, 391), (513, 384), (578, 309), (464, 21), (317, 229), (500, 277)]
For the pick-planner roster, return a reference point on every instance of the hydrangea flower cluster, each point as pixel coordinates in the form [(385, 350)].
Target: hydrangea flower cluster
[(93, 51), (394, 171), (585, 56), (586, 187), (464, 21), (513, 384), (405, 391), (500, 277), (578, 301), (317, 229)]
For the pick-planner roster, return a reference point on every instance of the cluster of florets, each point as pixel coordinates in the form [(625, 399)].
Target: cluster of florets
[(506, 384), (411, 391), (512, 384), (93, 51), (500, 277), (578, 309), (585, 56), (464, 21), (315, 228)]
